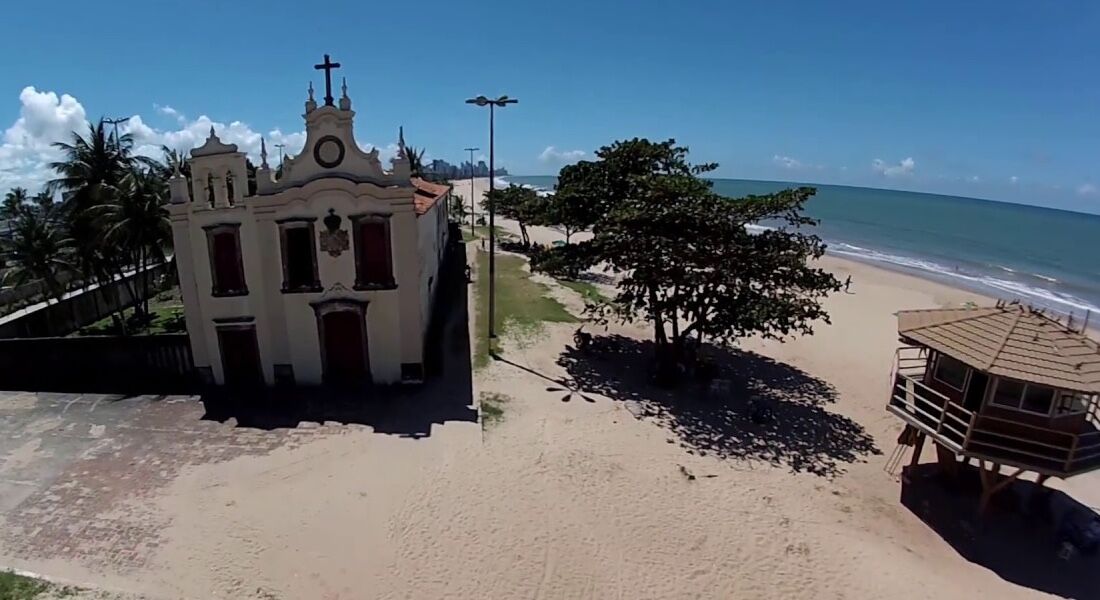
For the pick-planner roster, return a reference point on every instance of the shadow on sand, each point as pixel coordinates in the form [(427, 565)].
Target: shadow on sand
[(725, 421), (446, 395), (1017, 538)]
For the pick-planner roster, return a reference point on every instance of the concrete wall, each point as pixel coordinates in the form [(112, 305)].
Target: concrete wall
[(29, 291), (77, 309)]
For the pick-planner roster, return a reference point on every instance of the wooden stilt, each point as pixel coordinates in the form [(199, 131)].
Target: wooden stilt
[(992, 482), (1041, 480), (947, 460), (918, 445)]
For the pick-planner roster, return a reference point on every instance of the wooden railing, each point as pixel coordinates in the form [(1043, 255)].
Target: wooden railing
[(1010, 441), (931, 411)]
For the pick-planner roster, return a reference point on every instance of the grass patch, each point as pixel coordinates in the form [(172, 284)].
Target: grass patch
[(165, 312), (17, 587), (492, 408), (588, 291), (481, 232), (522, 304)]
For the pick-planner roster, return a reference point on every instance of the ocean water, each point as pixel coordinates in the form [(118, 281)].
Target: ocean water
[(1040, 256)]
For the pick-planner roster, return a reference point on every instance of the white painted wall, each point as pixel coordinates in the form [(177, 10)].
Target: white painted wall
[(286, 323)]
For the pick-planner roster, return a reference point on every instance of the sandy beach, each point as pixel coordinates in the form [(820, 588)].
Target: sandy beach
[(581, 491)]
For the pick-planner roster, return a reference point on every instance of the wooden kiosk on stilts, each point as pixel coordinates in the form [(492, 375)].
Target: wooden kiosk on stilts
[(1006, 386)]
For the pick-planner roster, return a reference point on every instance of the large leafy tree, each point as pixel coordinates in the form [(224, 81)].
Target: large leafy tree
[(521, 204), (684, 260)]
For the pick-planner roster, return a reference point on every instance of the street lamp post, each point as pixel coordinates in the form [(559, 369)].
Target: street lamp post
[(492, 104), (473, 207), (116, 122)]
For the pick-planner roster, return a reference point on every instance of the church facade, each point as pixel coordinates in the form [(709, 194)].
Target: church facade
[(326, 272)]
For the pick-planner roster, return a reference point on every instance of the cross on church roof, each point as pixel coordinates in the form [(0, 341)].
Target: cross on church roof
[(327, 67)]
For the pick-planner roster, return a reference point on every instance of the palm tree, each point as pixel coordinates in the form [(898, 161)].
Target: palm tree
[(416, 158), (36, 250), (90, 173), (43, 203), (91, 164), (135, 221), (15, 201), (172, 161)]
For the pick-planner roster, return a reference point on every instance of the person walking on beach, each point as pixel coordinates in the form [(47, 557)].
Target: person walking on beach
[(847, 284)]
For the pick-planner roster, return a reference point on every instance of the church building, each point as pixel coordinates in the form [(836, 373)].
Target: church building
[(325, 272)]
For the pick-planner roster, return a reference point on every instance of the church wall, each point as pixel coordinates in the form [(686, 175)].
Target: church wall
[(212, 308), (330, 173), (407, 259), (337, 276), (192, 304), (432, 243)]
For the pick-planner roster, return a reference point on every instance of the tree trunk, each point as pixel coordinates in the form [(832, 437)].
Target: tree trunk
[(666, 365), (115, 287), (144, 283), (523, 234)]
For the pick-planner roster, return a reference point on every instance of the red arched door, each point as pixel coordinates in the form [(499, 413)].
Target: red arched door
[(344, 339)]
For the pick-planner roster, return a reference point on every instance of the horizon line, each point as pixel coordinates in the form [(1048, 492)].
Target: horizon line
[(884, 189)]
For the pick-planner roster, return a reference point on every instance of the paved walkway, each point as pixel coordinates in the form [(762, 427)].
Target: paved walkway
[(75, 469)]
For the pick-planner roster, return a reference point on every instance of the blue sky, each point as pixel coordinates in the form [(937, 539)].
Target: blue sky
[(993, 99)]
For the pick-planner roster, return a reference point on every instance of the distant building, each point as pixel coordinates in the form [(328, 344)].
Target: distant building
[(326, 274), (441, 169)]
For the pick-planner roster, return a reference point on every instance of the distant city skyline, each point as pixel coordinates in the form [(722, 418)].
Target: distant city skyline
[(911, 97)]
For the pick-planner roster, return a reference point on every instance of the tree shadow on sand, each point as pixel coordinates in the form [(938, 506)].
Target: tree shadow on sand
[(757, 409)]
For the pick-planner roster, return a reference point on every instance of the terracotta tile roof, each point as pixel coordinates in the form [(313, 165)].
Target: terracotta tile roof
[(1009, 341), (427, 194)]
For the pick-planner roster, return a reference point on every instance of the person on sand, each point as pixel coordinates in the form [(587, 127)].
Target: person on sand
[(847, 284)]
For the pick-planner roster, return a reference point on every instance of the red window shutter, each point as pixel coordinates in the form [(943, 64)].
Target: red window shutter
[(374, 253), (299, 257), (227, 271)]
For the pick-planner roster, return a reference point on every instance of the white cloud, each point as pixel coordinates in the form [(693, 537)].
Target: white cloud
[(1014, 180), (26, 149), (903, 168), (974, 179), (786, 162), (553, 155), (45, 118), (1087, 189), (171, 112)]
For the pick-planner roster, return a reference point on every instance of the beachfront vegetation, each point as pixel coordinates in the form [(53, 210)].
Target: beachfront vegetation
[(527, 207), (492, 408), (18, 587), (111, 219), (521, 204), (522, 305), (684, 260), (416, 160), (457, 210)]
